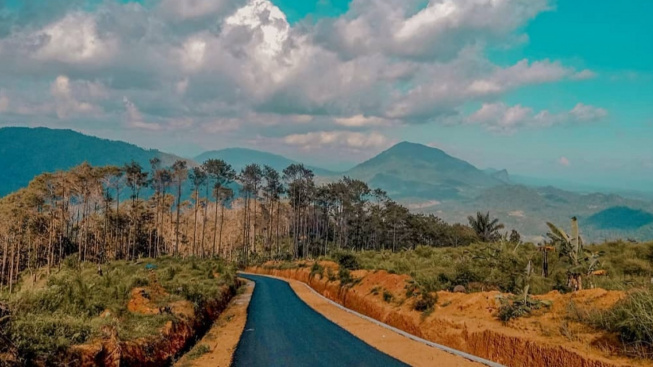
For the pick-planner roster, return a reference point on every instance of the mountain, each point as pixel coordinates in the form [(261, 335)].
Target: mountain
[(26, 153), (240, 157), (621, 218), (501, 175), (415, 171)]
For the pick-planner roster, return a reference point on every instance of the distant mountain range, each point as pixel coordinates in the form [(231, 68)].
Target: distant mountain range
[(26, 153), (427, 179)]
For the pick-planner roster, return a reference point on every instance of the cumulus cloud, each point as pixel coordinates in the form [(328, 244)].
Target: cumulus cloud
[(438, 29), (499, 117), (67, 102), (73, 39), (217, 67)]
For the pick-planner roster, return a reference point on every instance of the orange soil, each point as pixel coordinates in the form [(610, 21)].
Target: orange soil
[(224, 335), (158, 349), (468, 322)]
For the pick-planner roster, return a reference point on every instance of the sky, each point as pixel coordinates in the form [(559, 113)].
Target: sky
[(562, 89)]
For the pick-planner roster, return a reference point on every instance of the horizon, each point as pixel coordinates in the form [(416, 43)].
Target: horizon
[(523, 179), (543, 89)]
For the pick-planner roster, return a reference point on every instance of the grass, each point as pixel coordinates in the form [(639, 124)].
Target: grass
[(76, 305), (631, 319), (484, 267), (198, 351)]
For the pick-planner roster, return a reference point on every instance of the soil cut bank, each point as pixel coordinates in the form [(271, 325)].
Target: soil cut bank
[(467, 322), (159, 350)]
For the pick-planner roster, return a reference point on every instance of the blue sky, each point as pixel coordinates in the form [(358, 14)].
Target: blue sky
[(543, 88)]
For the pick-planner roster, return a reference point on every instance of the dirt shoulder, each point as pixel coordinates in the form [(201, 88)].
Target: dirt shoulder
[(400, 347), (217, 347)]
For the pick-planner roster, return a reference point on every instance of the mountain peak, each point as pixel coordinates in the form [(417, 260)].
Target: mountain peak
[(415, 170)]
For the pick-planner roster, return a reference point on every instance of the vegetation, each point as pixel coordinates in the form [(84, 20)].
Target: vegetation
[(81, 303), (84, 212), (110, 217)]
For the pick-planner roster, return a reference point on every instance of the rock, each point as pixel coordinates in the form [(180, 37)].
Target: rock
[(459, 289)]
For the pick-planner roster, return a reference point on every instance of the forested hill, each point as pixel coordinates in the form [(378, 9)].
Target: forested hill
[(26, 153)]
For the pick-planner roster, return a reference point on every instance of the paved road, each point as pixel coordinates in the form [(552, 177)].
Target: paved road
[(282, 330)]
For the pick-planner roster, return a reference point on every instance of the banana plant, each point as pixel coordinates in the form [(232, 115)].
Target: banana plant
[(581, 261)]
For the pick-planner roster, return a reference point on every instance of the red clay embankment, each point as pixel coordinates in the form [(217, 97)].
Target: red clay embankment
[(157, 350), (467, 322)]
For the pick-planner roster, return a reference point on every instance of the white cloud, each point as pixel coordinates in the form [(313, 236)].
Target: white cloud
[(361, 121), (344, 139), (499, 117), (67, 104), (584, 74), (193, 53), (134, 118), (437, 30), (588, 113), (213, 66), (73, 39)]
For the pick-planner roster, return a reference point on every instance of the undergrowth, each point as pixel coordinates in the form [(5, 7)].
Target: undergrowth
[(76, 304)]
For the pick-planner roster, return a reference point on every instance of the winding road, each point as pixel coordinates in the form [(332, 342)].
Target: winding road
[(282, 330)]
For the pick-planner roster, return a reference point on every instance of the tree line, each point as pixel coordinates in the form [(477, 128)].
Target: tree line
[(208, 210)]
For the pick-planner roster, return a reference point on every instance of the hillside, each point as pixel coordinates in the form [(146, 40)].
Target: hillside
[(240, 157), (527, 209), (620, 217), (26, 153), (409, 170)]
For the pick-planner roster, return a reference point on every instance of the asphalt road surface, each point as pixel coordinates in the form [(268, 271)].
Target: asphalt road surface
[(282, 330)]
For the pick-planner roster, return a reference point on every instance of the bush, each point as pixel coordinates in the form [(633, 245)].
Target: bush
[(317, 269), (346, 279), (518, 306), (426, 302), (347, 260), (330, 275), (631, 319)]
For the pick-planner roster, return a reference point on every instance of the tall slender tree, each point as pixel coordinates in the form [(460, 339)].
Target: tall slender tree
[(179, 174)]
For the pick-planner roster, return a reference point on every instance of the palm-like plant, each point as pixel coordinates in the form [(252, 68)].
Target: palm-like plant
[(580, 260), (485, 227)]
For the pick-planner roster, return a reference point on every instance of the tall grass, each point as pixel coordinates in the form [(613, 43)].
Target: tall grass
[(76, 304)]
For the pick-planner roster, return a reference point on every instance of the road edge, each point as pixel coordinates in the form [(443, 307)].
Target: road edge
[(443, 348), (223, 347)]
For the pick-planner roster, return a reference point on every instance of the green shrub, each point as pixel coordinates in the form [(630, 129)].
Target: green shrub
[(330, 275), (345, 277), (425, 302), (347, 260), (518, 306), (317, 269), (631, 319)]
